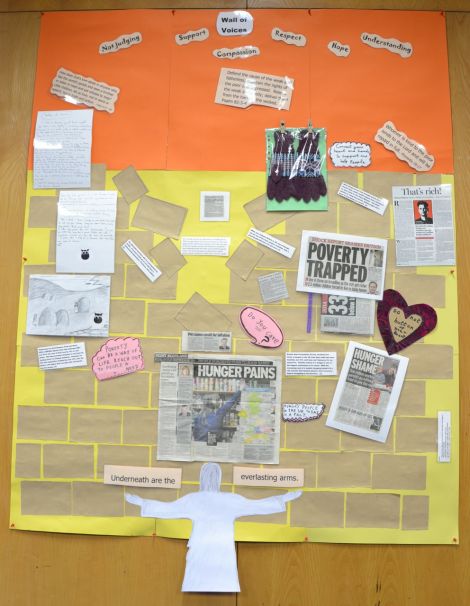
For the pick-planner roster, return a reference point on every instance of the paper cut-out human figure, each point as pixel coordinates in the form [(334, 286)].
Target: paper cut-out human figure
[(211, 561)]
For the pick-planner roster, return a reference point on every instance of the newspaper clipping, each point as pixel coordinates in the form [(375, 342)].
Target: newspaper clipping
[(341, 264), (424, 225), (206, 341), (220, 408), (351, 315), (367, 392)]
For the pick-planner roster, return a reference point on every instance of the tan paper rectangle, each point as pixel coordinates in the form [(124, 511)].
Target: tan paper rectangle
[(69, 387), (372, 510), (380, 183), (129, 390), (161, 321), (151, 477), (335, 178), (356, 220), (312, 435), (427, 289), (42, 211), (305, 460), (416, 435), (83, 90), (68, 461), (430, 360), (127, 317), (318, 509), (399, 472), (344, 469), (46, 498), (160, 217), (253, 492), (130, 185), (142, 239), (92, 499), (285, 478), (139, 427), (137, 285), (412, 400), (245, 291), (28, 461), (121, 455), (122, 217), (244, 259), (94, 425), (261, 219), (168, 257), (314, 221), (415, 514), (199, 314)]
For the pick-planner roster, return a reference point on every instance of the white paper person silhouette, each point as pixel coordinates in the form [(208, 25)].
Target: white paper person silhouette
[(211, 561)]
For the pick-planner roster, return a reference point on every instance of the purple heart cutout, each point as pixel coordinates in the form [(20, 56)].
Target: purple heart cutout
[(393, 298)]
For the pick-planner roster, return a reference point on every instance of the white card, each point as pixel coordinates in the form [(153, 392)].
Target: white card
[(214, 206), (62, 149), (205, 247), (314, 363), (234, 23), (86, 227), (69, 355), (363, 198), (142, 261), (443, 436), (272, 287), (271, 242)]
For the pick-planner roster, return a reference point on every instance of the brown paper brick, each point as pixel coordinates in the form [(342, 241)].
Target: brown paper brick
[(423, 289), (246, 347), (139, 286), (160, 217), (354, 219), (326, 390), (274, 260), (246, 291), (296, 297), (372, 510), (261, 219), (152, 346), (343, 469), (122, 216), (428, 179), (303, 460), (52, 246), (127, 317), (94, 425), (117, 281), (97, 179), (69, 387), (244, 259), (380, 183), (28, 461), (168, 257), (155, 378), (350, 442), (43, 211), (67, 461), (30, 344), (335, 178), (232, 312), (161, 321), (415, 514), (399, 472), (35, 269), (416, 435), (312, 435), (159, 494), (298, 390), (140, 427), (318, 509), (392, 261), (42, 422), (310, 345), (122, 455), (46, 498), (199, 314), (313, 221), (428, 361), (255, 492), (292, 321), (93, 499), (129, 390), (142, 239), (130, 184), (412, 399)]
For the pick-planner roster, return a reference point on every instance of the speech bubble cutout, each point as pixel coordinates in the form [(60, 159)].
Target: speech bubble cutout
[(298, 413), (241, 52), (117, 357), (339, 49), (288, 37), (264, 330), (234, 23), (197, 35), (350, 154), (406, 149), (124, 41)]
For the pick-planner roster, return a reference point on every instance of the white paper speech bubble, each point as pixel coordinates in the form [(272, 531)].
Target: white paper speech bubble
[(406, 149), (350, 154), (124, 41), (338, 48), (288, 37), (242, 52), (234, 23), (197, 35), (404, 49)]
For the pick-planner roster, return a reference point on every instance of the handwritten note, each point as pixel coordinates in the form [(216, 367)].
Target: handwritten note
[(118, 357), (86, 226), (298, 413), (62, 149), (264, 330), (350, 154)]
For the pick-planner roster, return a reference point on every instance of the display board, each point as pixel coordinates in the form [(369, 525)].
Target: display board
[(68, 424)]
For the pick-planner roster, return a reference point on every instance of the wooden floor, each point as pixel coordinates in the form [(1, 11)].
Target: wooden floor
[(57, 570)]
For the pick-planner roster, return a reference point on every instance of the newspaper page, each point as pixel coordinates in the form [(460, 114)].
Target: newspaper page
[(367, 392), (341, 264), (424, 225), (220, 408), (206, 341), (351, 315)]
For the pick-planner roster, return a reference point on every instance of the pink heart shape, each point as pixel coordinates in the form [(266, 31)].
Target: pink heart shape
[(392, 299)]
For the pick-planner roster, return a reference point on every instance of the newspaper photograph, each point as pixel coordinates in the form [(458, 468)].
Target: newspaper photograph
[(206, 341), (220, 408), (367, 392), (424, 225), (351, 315), (340, 264)]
